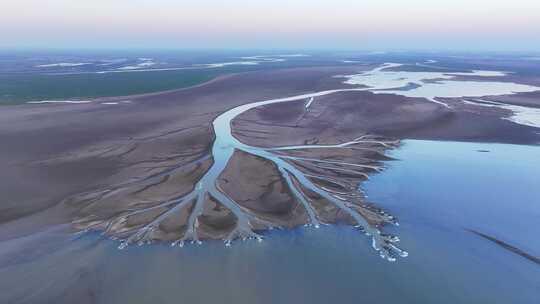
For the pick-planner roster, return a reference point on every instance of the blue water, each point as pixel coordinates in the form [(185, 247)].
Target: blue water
[(436, 189)]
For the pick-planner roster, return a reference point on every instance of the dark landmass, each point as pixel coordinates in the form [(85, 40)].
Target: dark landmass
[(507, 246), (484, 124), (528, 99)]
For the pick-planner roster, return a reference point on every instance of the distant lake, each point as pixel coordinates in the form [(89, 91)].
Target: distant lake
[(438, 190)]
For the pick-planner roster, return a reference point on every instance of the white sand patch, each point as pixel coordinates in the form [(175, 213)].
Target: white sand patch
[(107, 62), (271, 57), (224, 64), (62, 64), (144, 70), (291, 55), (481, 73), (60, 101), (310, 101), (138, 66), (262, 59), (116, 102), (146, 62)]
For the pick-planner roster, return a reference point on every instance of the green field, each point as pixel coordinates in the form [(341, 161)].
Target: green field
[(21, 88)]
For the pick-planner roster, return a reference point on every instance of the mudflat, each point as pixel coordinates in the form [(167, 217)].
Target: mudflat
[(115, 165)]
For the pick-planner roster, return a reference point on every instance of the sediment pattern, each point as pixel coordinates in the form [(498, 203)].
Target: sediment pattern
[(200, 198)]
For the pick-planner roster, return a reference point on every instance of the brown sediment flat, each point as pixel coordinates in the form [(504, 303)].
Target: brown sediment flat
[(52, 151), (527, 99), (127, 156), (338, 116), (257, 186), (533, 80), (468, 122)]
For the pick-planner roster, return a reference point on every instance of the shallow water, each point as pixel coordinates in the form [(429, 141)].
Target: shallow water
[(436, 84), (437, 189), (431, 85)]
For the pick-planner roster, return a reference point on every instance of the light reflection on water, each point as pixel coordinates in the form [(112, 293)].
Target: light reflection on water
[(436, 189)]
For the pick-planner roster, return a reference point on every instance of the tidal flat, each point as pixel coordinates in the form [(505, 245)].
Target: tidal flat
[(264, 155)]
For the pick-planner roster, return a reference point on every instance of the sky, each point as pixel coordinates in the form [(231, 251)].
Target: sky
[(494, 25)]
